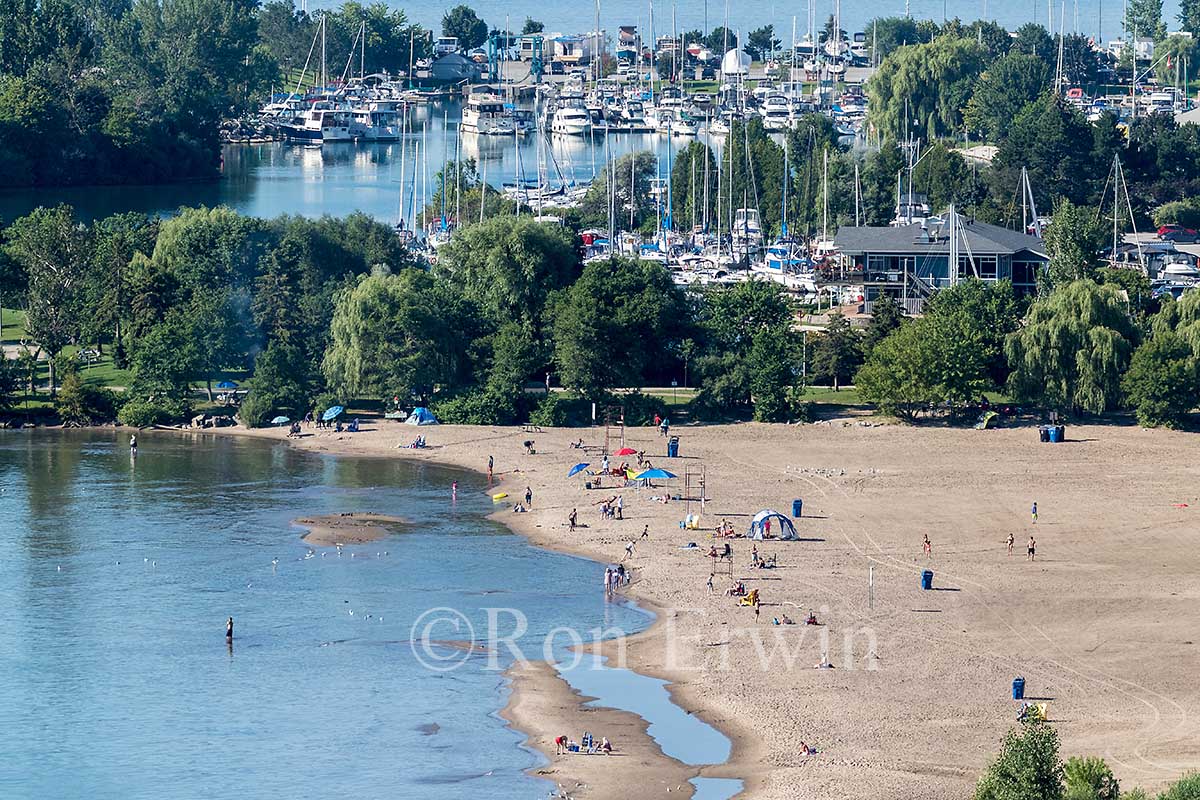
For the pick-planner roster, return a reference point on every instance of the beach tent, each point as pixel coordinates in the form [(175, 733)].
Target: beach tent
[(421, 416), (781, 526), (655, 474)]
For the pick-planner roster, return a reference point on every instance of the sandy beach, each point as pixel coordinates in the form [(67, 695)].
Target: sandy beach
[(1101, 624)]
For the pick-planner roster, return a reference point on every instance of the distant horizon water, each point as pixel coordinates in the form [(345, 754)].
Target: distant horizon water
[(1100, 19)]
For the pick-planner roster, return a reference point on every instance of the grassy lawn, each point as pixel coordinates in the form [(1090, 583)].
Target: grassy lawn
[(14, 326), (825, 395)]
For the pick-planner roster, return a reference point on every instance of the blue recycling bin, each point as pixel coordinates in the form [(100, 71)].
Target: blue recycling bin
[(797, 508), (673, 447), (1018, 689), (1056, 433), (927, 579)]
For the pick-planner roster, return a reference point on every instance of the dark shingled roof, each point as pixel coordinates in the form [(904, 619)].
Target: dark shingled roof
[(982, 239)]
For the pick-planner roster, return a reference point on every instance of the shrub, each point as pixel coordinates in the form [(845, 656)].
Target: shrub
[(1186, 788), (257, 409), (79, 403), (475, 408), (142, 413), (1089, 779), (552, 412), (641, 408)]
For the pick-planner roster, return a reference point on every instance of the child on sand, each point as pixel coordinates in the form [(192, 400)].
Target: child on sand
[(927, 546)]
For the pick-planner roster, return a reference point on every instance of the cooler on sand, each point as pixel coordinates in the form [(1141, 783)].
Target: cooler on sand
[(1018, 689), (797, 508), (927, 579)]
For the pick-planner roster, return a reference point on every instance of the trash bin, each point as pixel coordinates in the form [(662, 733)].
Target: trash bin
[(1044, 433), (797, 508), (1018, 689), (1062, 433), (927, 579), (673, 447), (1055, 434)]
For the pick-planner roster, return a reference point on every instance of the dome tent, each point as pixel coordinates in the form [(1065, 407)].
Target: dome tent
[(735, 62), (780, 523), (421, 416)]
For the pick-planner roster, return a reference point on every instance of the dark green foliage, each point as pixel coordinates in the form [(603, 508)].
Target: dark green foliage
[(1004, 88), (886, 316), (836, 353), (1186, 788), (1046, 136), (284, 382), (462, 22), (640, 409), (928, 84), (80, 403), (476, 408), (143, 413), (1089, 779), (1028, 767)]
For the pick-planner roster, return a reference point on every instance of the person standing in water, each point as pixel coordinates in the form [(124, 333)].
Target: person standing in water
[(133, 444), (229, 629), (454, 491)]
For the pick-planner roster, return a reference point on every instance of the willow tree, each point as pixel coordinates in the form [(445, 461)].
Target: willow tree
[(922, 89), (1073, 348)]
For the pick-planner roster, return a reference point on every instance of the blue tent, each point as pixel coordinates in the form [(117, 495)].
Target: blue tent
[(421, 416), (655, 474), (781, 526)]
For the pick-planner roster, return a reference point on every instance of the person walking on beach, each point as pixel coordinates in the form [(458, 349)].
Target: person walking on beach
[(572, 517), (1032, 548), (528, 497), (1033, 513), (711, 575), (927, 546), (1011, 541), (646, 532), (491, 463), (604, 465), (628, 550), (620, 507)]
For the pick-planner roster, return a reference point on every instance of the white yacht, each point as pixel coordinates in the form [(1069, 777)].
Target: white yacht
[(674, 122), (571, 121), (776, 113), (376, 122), (323, 122), (485, 114)]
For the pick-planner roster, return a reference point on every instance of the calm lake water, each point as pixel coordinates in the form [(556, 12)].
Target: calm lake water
[(577, 17), (118, 574), (278, 178)]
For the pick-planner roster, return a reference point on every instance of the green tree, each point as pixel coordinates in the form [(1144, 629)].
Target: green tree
[(1034, 40), (1073, 348), (886, 316), (994, 38), (531, 26), (1189, 16), (1081, 61), (921, 90), (837, 353), (898, 375), (53, 250), (720, 40), (761, 43), (633, 206), (694, 181), (1145, 19), (885, 35), (116, 240), (616, 325), (462, 23), (1089, 779), (1005, 87), (1073, 240), (1027, 768), (1045, 137), (284, 383), (80, 403), (1179, 212), (1178, 58), (516, 355), (406, 335), (946, 178), (509, 265), (11, 380)]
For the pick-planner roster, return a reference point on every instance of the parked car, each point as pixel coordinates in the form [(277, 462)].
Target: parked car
[(1178, 233), (557, 68), (708, 74)]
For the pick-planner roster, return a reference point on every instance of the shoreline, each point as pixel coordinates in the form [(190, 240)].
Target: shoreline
[(526, 681)]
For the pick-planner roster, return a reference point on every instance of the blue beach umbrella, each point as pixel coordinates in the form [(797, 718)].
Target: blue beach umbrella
[(331, 413), (280, 420), (656, 473), (578, 468), (226, 385)]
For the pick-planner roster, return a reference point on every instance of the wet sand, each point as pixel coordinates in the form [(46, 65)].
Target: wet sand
[(543, 706), (1102, 624), (330, 530)]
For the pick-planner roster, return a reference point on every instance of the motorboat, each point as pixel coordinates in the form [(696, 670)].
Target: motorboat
[(322, 123), (486, 115)]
